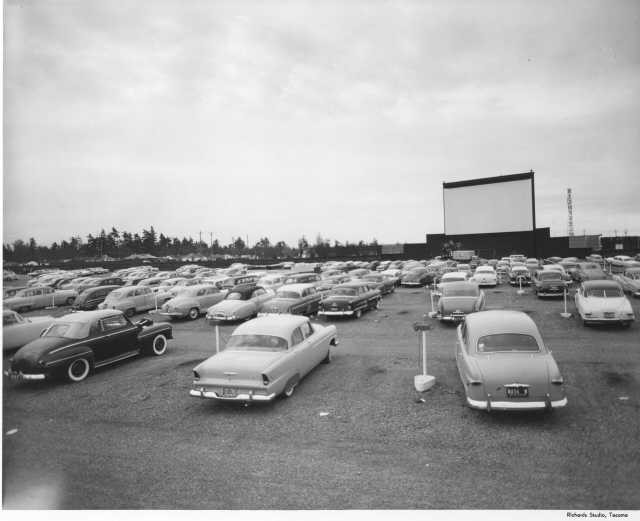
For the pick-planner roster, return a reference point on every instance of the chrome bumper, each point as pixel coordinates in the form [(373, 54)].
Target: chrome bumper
[(173, 314), (512, 406), (244, 397), (13, 375), (452, 318), (341, 313)]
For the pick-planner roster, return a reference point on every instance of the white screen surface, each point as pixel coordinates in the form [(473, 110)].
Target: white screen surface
[(489, 208)]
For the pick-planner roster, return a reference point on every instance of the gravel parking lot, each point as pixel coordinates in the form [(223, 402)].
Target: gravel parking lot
[(354, 436)]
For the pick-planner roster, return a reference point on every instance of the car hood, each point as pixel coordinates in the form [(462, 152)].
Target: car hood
[(451, 304), (242, 363), (40, 346)]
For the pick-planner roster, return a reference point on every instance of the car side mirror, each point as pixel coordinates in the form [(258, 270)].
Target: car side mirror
[(144, 322), (43, 331)]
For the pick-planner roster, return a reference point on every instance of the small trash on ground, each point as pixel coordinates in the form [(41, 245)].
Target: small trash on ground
[(623, 398), (12, 431), (420, 400), (324, 414)]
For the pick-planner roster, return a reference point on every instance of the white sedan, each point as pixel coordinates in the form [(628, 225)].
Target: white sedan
[(603, 302), (485, 276)]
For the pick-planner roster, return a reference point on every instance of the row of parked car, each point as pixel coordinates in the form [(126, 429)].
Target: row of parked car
[(268, 356)]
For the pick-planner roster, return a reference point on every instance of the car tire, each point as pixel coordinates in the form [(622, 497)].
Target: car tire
[(130, 312), (78, 369), (291, 386), (376, 305), (70, 301), (327, 359), (193, 314), (159, 345), (358, 313)]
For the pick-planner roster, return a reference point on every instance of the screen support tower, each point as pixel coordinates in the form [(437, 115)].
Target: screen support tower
[(570, 230)]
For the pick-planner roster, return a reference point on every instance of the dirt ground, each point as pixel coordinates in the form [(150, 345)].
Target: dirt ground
[(355, 435)]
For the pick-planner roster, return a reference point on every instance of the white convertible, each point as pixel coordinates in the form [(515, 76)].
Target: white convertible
[(264, 357), (603, 302)]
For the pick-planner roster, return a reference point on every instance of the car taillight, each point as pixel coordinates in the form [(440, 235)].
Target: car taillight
[(557, 381), (265, 379)]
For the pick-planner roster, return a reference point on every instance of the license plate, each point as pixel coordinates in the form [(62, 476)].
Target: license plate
[(517, 392), (229, 392), (609, 314), (15, 376)]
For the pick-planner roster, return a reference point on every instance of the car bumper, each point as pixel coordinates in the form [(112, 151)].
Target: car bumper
[(242, 397), (336, 313), (17, 375), (172, 314), (455, 317), (612, 320), (219, 319), (417, 283), (514, 406), (550, 293)]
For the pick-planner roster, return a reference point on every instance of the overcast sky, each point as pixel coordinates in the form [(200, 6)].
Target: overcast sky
[(286, 118)]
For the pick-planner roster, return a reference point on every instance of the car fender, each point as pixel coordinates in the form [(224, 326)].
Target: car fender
[(65, 356)]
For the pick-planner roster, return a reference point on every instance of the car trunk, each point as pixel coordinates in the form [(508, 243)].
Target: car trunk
[(502, 369), (237, 367), (450, 305)]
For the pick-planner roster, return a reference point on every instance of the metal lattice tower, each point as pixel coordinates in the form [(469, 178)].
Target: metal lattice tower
[(570, 210)]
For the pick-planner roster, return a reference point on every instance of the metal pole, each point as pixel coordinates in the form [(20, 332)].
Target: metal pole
[(217, 339), (424, 352)]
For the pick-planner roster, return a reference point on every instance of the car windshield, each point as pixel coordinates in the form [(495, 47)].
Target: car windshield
[(235, 295), (590, 266), (114, 295), (344, 291), (603, 292), (74, 330), (251, 342), (460, 292), (10, 318), (635, 275), (484, 270), (507, 342), (288, 294), (549, 275)]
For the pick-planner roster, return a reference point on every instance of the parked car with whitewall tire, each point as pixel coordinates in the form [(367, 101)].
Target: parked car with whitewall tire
[(193, 301), (130, 300), (76, 344), (38, 298), (18, 330)]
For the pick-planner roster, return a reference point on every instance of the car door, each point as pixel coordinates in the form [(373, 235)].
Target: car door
[(115, 336), (45, 297), (301, 352), (578, 299), (462, 350), (316, 347)]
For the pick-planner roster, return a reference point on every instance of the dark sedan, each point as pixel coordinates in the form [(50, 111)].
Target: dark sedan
[(384, 284), (417, 277), (91, 297), (77, 343), (588, 271), (296, 299), (350, 299), (549, 283)]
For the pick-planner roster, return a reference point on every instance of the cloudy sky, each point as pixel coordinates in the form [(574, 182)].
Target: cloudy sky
[(286, 118)]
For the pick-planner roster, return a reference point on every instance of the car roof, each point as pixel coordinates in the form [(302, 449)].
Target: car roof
[(600, 284), (85, 316), (276, 325), (452, 274), (352, 284), (498, 321)]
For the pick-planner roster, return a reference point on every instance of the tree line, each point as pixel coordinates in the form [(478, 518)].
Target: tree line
[(120, 244)]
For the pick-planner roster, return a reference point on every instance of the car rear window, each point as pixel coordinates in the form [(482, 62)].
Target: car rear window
[(73, 330), (507, 342), (460, 292), (604, 292), (288, 294), (250, 342)]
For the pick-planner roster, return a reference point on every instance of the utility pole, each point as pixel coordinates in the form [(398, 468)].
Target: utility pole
[(210, 239), (200, 240)]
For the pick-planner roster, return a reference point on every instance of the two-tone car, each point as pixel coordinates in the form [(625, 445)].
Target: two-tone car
[(192, 301), (130, 300), (296, 299), (264, 358), (350, 299), (504, 364), (18, 330), (241, 303), (386, 285), (603, 302), (39, 297), (630, 281), (77, 343), (549, 283), (92, 297), (588, 271), (458, 299)]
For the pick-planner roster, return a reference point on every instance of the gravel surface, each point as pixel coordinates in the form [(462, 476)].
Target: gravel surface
[(355, 435)]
